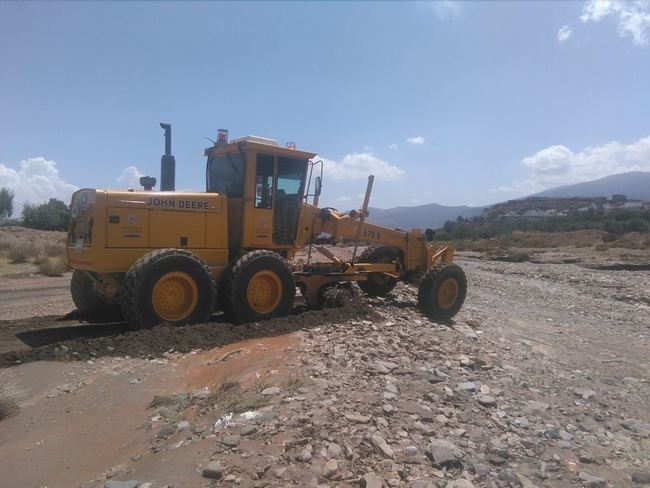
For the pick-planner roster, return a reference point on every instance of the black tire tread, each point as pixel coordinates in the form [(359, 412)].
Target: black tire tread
[(229, 303), (429, 284), (133, 279), (372, 255), (84, 295)]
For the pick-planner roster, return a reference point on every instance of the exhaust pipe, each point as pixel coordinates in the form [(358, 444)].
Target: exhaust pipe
[(167, 162)]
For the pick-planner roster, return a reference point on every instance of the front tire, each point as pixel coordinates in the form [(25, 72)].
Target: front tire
[(378, 284), (168, 285), (260, 286), (84, 294), (442, 291)]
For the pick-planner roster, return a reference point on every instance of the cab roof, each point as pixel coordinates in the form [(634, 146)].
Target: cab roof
[(260, 144)]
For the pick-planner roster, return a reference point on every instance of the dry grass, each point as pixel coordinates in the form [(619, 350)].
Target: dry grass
[(53, 266), (231, 397), (546, 240), (45, 250)]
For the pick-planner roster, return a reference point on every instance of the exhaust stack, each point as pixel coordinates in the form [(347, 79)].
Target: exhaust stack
[(167, 162)]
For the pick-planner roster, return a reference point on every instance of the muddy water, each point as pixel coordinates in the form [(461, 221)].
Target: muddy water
[(78, 420)]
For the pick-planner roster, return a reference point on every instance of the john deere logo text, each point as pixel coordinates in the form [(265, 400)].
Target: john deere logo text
[(169, 203)]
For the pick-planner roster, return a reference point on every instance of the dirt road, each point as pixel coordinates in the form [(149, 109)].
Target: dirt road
[(542, 380)]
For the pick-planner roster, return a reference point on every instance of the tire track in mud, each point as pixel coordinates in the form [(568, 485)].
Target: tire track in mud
[(91, 341)]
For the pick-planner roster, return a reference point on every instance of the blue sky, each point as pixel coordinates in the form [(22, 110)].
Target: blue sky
[(455, 103)]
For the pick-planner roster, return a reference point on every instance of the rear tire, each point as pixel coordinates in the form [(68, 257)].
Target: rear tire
[(378, 284), (442, 291), (260, 286), (84, 294), (168, 285)]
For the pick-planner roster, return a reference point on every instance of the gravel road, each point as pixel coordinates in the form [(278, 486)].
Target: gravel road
[(541, 380)]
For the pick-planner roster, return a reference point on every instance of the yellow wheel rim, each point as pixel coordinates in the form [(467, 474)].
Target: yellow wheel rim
[(175, 296), (448, 293), (264, 291)]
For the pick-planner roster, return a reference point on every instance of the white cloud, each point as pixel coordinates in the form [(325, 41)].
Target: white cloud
[(444, 9), (559, 165), (344, 198), (564, 34), (633, 16), (35, 181), (394, 147), (415, 140), (359, 166), (130, 177)]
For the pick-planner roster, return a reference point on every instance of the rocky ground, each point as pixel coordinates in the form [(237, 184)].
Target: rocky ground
[(541, 380)]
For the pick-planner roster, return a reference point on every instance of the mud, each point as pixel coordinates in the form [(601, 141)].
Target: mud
[(75, 342)]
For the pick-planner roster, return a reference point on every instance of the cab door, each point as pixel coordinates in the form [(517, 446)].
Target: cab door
[(259, 201)]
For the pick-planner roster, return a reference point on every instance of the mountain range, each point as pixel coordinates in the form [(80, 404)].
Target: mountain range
[(634, 185)]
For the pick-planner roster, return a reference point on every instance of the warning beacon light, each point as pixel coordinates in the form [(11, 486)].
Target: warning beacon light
[(222, 136), (291, 145)]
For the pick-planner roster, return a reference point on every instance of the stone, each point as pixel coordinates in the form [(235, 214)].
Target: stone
[(591, 479), (637, 426), (333, 450), (467, 386), (480, 470), (641, 477), (508, 476), (460, 483), (213, 471), (271, 390), (231, 440), (444, 453), (486, 400), (166, 431), (584, 393), (422, 484), (380, 443), (120, 484), (248, 430), (410, 450), (182, 425), (371, 480), (330, 468), (359, 419)]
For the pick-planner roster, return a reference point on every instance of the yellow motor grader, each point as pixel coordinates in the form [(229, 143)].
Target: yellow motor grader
[(177, 257)]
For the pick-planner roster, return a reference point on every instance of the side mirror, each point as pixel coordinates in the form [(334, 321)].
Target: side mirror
[(318, 186)]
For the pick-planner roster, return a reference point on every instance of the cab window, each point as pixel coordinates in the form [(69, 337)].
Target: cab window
[(264, 179), (225, 174)]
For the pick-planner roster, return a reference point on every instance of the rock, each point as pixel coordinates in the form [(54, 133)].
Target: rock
[(306, 454), (333, 450), (371, 480), (182, 425), (590, 479), (641, 477), (410, 450), (486, 400), (564, 435), (166, 431), (422, 484), (480, 469), (120, 484), (380, 443), (508, 476), (460, 483), (584, 393), (359, 419), (330, 468), (271, 390), (444, 453), (467, 386), (637, 426), (248, 430), (213, 471), (231, 440), (201, 394), (496, 459)]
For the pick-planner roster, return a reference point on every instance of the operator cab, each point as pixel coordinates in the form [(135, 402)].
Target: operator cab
[(265, 185)]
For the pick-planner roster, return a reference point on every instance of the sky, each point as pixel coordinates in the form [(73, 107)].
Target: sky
[(458, 103)]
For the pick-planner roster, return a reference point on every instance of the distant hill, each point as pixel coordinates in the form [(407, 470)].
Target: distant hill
[(431, 215), (634, 185)]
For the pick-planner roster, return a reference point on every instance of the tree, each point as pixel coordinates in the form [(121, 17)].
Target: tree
[(52, 215), (6, 202)]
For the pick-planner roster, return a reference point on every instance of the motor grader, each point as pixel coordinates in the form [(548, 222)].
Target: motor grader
[(177, 257)]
